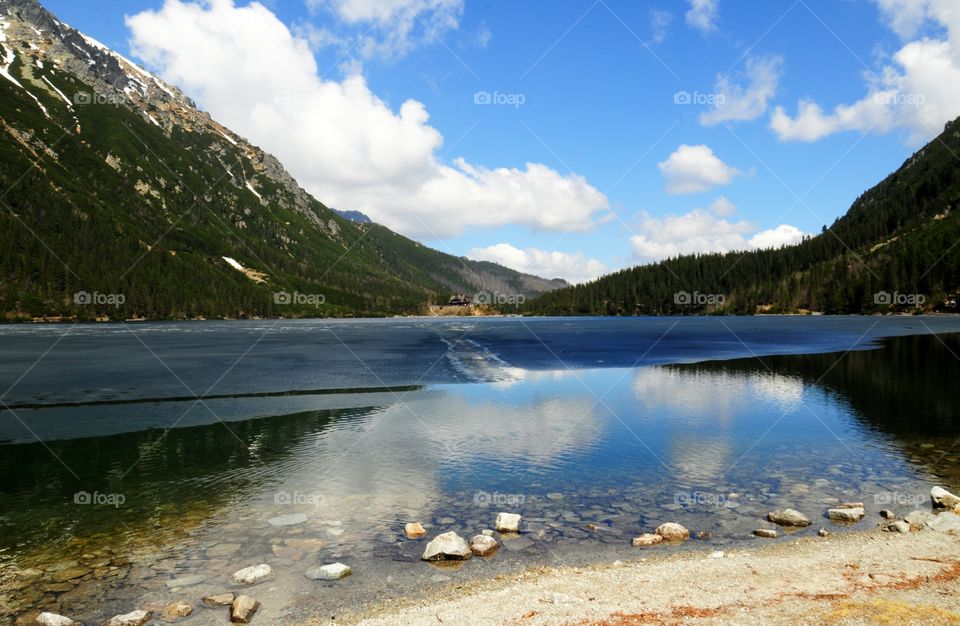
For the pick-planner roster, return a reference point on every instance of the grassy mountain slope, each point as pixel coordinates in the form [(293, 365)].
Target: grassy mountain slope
[(113, 184), (896, 249)]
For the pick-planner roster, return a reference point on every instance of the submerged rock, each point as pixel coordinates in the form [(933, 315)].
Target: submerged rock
[(788, 517), (54, 619), (133, 618), (845, 515), (508, 523), (175, 611), (646, 539), (221, 599), (242, 609), (251, 575), (448, 546), (333, 571), (943, 499), (673, 532), (766, 533), (290, 519), (414, 530), (483, 545)]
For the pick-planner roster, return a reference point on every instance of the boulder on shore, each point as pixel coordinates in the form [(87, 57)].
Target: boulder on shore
[(448, 546), (507, 523), (943, 499), (788, 517), (673, 532)]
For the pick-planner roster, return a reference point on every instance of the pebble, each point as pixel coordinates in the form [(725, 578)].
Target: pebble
[(54, 619), (846, 514), (483, 545), (766, 533), (414, 529), (646, 539)]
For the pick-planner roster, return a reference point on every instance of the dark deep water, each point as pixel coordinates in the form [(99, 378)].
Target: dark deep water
[(116, 478)]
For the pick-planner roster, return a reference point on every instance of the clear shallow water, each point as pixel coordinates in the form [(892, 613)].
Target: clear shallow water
[(591, 457)]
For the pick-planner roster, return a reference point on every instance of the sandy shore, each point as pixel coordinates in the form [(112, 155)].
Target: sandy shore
[(869, 577)]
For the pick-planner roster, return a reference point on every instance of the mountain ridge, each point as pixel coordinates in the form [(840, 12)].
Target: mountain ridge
[(116, 186)]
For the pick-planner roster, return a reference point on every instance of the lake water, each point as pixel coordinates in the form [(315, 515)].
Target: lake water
[(144, 463)]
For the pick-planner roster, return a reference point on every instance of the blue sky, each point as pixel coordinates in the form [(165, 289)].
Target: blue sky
[(587, 92)]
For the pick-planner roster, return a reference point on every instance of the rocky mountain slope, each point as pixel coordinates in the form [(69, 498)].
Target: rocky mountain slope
[(120, 199)]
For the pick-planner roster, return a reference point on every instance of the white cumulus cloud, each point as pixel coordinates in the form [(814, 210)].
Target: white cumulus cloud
[(691, 169), (700, 232), (391, 28), (918, 89), (739, 103), (573, 267), (703, 14), (343, 143)]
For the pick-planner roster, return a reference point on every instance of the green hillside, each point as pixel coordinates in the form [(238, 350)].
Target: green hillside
[(895, 250)]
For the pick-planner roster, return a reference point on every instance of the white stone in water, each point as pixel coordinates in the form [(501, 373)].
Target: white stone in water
[(845, 515), (133, 618), (508, 522), (788, 517), (483, 545), (333, 571), (54, 619), (447, 546), (289, 519), (251, 575)]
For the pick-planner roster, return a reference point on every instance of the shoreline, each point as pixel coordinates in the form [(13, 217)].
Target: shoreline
[(53, 321), (861, 577)]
